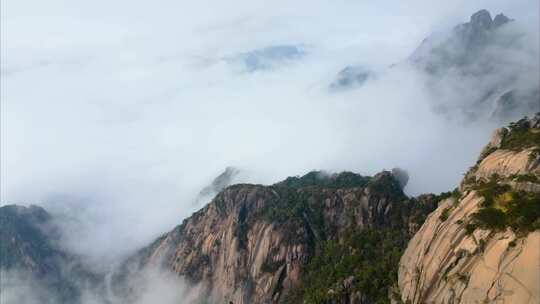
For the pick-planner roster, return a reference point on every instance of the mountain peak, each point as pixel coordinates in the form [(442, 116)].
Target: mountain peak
[(482, 19), (492, 219), (500, 19)]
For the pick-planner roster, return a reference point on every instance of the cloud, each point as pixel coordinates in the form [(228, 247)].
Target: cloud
[(21, 287), (117, 114), (149, 286)]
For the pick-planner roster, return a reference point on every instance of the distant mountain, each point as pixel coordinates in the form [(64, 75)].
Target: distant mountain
[(464, 46), (338, 238), (485, 68), (29, 252), (351, 77), (221, 181), (26, 240), (266, 58)]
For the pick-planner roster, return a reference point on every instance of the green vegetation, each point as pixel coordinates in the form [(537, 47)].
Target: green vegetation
[(292, 203), (296, 195), (371, 256), (490, 218), (367, 259), (444, 214), (325, 180), (420, 206), (469, 228), (463, 278), (455, 195), (491, 190), (271, 266), (504, 207), (386, 185), (444, 195), (531, 178), (302, 197), (521, 137), (486, 153)]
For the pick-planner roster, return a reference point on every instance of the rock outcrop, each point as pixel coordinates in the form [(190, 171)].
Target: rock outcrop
[(26, 241), (29, 252), (461, 48), (351, 77), (224, 179), (474, 57), (251, 243), (483, 246)]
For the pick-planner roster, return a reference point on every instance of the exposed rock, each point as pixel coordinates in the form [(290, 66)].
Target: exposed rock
[(25, 240), (463, 47), (500, 19), (29, 252), (226, 178), (481, 20), (504, 160), (351, 77), (505, 163), (251, 243), (444, 265), (450, 261)]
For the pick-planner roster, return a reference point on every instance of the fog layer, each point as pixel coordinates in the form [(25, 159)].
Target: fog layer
[(116, 115)]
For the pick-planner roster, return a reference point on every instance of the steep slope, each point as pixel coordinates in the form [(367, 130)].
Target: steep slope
[(463, 46), (30, 258), (254, 243), (483, 247), (27, 251), (221, 181), (482, 57), (350, 77), (25, 240)]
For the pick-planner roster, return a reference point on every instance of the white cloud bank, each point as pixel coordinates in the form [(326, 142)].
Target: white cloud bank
[(119, 112)]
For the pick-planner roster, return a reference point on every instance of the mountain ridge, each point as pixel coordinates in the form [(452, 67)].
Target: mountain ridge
[(337, 238)]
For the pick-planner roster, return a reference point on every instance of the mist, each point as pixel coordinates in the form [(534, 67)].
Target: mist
[(115, 115), (150, 286)]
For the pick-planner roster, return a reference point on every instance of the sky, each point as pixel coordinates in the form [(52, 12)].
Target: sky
[(116, 113)]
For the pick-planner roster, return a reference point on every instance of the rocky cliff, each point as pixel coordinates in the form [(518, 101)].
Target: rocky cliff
[(463, 46), (30, 256), (258, 244), (481, 58), (483, 245), (475, 56), (323, 238), (26, 240)]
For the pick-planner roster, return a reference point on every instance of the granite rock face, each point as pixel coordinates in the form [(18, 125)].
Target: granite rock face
[(251, 243), (451, 260)]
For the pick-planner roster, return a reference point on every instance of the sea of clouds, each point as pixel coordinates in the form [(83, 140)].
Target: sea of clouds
[(114, 115)]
